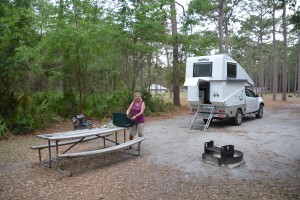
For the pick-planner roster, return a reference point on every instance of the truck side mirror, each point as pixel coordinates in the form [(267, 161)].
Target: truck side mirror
[(256, 95)]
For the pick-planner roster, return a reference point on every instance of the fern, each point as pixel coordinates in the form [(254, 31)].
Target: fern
[(3, 129)]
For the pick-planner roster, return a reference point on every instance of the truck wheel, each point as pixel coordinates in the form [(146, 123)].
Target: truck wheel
[(237, 120), (260, 112)]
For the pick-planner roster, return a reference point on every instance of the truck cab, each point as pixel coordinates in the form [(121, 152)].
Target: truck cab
[(254, 103)]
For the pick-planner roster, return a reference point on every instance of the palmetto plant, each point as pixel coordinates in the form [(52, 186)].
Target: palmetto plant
[(33, 112), (3, 129)]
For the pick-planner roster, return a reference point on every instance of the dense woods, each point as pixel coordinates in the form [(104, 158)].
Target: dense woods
[(64, 57)]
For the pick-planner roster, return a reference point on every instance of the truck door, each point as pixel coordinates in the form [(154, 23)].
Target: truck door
[(251, 101)]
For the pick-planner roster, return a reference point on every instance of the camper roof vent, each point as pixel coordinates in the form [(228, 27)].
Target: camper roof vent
[(203, 59)]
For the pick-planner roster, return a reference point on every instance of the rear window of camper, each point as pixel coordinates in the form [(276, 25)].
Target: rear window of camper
[(231, 69), (202, 69)]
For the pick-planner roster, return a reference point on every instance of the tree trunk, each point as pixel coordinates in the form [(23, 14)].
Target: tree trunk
[(284, 82), (295, 78), (275, 70), (298, 89), (221, 20), (226, 39), (168, 65), (134, 65), (133, 86), (142, 77), (79, 80), (261, 65), (176, 73), (149, 75), (61, 14)]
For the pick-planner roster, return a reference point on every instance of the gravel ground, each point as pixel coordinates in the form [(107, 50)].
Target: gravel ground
[(170, 165)]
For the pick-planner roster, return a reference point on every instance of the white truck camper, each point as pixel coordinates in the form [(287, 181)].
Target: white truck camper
[(218, 88)]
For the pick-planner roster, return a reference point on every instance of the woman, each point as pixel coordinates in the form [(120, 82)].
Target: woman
[(136, 110)]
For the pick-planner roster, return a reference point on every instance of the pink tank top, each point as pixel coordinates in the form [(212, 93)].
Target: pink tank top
[(136, 110)]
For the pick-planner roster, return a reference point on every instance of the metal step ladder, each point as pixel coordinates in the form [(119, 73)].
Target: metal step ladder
[(209, 118), (196, 116)]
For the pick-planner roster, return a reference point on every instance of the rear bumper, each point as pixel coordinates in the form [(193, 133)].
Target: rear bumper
[(215, 115)]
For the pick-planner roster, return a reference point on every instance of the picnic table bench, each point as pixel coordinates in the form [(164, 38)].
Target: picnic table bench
[(126, 146)]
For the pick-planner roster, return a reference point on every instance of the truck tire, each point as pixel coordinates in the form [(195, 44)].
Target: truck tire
[(237, 120), (260, 112)]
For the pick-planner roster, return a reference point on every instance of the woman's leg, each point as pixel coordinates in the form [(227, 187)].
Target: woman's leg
[(132, 132), (140, 129)]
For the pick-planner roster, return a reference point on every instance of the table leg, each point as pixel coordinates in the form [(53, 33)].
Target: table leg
[(116, 136), (124, 135), (56, 147), (49, 150)]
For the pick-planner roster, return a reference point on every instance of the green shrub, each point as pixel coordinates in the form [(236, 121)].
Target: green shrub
[(155, 105), (3, 129), (33, 112), (169, 106), (38, 111), (103, 105)]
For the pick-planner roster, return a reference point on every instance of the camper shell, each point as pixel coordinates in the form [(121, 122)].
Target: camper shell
[(219, 88)]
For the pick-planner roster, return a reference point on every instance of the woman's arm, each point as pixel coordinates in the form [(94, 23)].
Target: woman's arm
[(129, 109)]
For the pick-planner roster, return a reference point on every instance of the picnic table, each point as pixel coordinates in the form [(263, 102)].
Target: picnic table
[(75, 137)]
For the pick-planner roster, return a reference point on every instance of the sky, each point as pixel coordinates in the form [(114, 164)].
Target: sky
[(237, 25), (186, 2)]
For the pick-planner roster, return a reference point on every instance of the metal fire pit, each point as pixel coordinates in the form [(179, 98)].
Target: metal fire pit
[(222, 156)]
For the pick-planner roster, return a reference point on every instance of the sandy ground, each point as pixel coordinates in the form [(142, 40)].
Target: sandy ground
[(271, 145), (170, 165)]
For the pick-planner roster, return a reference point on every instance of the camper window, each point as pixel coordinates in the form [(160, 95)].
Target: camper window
[(231, 69), (202, 69)]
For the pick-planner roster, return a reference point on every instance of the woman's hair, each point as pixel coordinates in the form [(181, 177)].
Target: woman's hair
[(137, 93)]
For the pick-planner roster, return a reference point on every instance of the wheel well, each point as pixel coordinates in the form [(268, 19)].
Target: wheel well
[(240, 110)]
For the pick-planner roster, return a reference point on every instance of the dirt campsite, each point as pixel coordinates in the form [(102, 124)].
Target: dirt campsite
[(170, 165)]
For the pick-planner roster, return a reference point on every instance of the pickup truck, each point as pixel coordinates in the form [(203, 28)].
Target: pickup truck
[(253, 104)]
